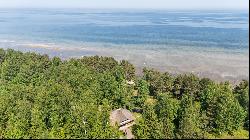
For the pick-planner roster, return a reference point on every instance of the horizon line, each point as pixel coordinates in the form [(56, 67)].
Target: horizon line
[(125, 8)]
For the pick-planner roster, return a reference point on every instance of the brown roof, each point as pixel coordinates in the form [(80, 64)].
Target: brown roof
[(120, 115)]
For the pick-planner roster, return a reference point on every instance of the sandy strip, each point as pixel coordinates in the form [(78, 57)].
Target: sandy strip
[(214, 63)]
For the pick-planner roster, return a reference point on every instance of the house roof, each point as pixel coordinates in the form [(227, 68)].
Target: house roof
[(131, 82), (120, 116)]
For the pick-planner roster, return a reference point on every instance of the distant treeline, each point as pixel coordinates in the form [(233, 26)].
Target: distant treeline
[(42, 97)]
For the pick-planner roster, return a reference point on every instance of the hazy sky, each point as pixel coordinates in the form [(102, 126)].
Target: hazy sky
[(154, 4)]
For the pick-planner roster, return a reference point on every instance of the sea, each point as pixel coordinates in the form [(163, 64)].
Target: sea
[(209, 43)]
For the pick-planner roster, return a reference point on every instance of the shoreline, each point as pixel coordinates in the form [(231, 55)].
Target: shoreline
[(218, 67)]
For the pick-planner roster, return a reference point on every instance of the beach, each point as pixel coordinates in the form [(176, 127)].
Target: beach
[(217, 65)]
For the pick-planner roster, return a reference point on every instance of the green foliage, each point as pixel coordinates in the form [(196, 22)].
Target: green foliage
[(2, 55), (143, 92), (48, 98), (187, 84), (224, 111), (239, 134), (149, 127), (241, 92), (189, 119), (166, 109), (158, 83), (42, 97), (99, 64), (129, 70)]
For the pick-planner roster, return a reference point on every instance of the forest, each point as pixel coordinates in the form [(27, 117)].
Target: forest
[(47, 97)]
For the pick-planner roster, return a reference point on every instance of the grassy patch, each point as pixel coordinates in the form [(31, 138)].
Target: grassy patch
[(151, 100), (137, 115), (239, 134)]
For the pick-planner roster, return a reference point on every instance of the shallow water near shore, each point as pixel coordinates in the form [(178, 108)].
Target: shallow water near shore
[(210, 44)]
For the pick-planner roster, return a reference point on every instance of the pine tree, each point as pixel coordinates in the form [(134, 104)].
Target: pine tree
[(189, 119)]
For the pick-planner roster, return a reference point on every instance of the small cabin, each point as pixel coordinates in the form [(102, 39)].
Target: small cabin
[(122, 117), (125, 119)]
